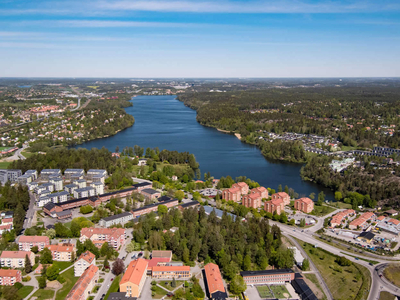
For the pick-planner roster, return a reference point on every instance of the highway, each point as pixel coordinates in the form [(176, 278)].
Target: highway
[(378, 284)]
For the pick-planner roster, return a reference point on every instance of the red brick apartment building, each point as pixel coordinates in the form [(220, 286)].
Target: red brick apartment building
[(281, 195), (254, 198), (10, 277), (277, 276), (235, 192), (304, 204), (115, 237), (274, 205), (26, 243)]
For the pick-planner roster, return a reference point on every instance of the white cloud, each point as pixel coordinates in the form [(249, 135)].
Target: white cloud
[(283, 6)]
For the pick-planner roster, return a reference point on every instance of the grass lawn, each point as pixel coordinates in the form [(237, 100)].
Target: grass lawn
[(114, 286), (62, 265), (264, 291), (343, 282), (70, 281), (159, 292), (4, 164), (341, 205), (392, 273), (374, 262), (25, 291), (280, 291), (386, 296), (26, 154), (3, 148), (347, 148), (322, 210), (43, 294), (167, 284)]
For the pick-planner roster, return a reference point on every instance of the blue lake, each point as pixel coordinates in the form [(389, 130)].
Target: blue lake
[(166, 123)]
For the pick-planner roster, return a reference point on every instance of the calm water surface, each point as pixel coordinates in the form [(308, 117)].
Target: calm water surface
[(164, 122)]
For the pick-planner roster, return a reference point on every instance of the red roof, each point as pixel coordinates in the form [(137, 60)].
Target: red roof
[(214, 279), (88, 256), (9, 273), (34, 239), (82, 283), (170, 268), (135, 271), (154, 261), (15, 254), (394, 221)]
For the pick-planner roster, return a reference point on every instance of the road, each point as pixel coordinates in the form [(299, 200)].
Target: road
[(378, 284), (122, 253), (30, 213)]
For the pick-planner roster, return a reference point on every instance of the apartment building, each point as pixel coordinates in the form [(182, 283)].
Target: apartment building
[(277, 276), (170, 272), (26, 243), (115, 237), (58, 183), (116, 219), (84, 192), (235, 192), (10, 277), (213, 281), (305, 205), (99, 187), (275, 205), (9, 175), (134, 278), (254, 198), (16, 259), (281, 195), (85, 284), (62, 252), (84, 261)]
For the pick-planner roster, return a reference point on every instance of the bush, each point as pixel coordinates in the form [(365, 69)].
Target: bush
[(18, 285), (60, 279), (87, 209), (26, 278)]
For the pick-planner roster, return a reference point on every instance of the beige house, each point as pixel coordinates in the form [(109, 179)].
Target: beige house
[(62, 252), (84, 261), (16, 259), (134, 278)]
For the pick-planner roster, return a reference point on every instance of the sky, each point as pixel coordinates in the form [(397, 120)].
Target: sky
[(199, 38)]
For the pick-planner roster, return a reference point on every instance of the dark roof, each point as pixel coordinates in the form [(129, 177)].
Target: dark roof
[(117, 192), (219, 295), (163, 198), (154, 204), (302, 288), (64, 213), (136, 185), (120, 296), (115, 217), (149, 191), (367, 235), (265, 272), (49, 206), (188, 204)]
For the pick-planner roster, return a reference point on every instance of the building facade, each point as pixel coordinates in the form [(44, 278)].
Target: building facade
[(84, 261), (281, 195), (62, 252), (134, 278), (16, 259), (277, 276), (170, 272), (115, 237), (305, 205), (275, 205), (10, 277), (26, 243)]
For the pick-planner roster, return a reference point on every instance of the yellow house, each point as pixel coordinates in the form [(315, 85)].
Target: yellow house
[(133, 280)]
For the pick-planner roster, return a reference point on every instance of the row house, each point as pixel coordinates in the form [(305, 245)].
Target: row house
[(62, 252), (362, 221), (339, 218), (281, 195), (16, 259), (10, 277), (305, 205), (273, 206), (26, 243), (85, 284), (115, 237)]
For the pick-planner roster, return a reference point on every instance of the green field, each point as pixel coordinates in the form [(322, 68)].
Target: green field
[(374, 262), (167, 284), (25, 291), (43, 294), (159, 292), (264, 291), (27, 154), (4, 164), (322, 210), (280, 291), (386, 296), (344, 282), (62, 265), (341, 205), (392, 273), (114, 287), (4, 148), (70, 281)]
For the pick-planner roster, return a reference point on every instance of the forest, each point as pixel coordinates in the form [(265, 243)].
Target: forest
[(233, 245)]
